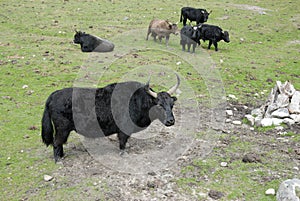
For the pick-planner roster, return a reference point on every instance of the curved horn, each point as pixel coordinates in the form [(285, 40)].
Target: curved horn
[(210, 12), (175, 87), (149, 91)]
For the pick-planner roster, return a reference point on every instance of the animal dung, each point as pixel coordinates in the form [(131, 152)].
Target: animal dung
[(282, 106)]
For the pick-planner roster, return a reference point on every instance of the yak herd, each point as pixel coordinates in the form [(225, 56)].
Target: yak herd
[(189, 35), (126, 107)]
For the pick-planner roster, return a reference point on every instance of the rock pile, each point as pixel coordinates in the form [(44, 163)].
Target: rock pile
[(282, 106)]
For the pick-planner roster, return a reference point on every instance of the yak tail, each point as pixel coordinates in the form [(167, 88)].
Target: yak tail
[(181, 17), (47, 127)]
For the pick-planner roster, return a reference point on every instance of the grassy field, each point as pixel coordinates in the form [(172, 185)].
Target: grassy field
[(37, 56)]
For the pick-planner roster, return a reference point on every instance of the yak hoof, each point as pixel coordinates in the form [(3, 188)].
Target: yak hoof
[(59, 161), (123, 153)]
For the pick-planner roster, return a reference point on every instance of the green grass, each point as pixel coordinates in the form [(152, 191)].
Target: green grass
[(36, 50)]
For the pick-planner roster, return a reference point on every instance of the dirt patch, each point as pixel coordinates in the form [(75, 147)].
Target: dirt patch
[(109, 183), (257, 9)]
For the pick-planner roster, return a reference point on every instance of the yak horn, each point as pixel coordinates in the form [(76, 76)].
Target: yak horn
[(175, 87), (149, 91)]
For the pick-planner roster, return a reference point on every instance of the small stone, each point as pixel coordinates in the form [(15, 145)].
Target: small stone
[(232, 96), (251, 128), (215, 194), (251, 158), (228, 120), (236, 122), (279, 128), (266, 122), (296, 168), (257, 112), (25, 86), (270, 191), (178, 63), (47, 177), (250, 118), (224, 164), (229, 112), (26, 136), (245, 107)]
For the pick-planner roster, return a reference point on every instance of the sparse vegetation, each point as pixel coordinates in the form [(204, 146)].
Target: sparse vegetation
[(37, 57)]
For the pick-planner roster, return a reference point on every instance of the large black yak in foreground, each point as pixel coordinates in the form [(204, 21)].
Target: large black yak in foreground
[(122, 108)]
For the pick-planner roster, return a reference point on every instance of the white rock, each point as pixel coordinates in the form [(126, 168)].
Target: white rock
[(277, 122), (245, 107), (288, 121), (287, 190), (257, 112), (224, 164), (178, 63), (47, 177), (252, 129), (250, 118), (294, 106), (232, 96), (229, 112), (295, 117), (266, 122), (25, 86), (296, 168), (281, 113), (283, 100), (270, 191), (279, 128), (227, 120), (236, 122)]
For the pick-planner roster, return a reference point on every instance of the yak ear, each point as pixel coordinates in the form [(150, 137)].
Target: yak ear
[(174, 98)]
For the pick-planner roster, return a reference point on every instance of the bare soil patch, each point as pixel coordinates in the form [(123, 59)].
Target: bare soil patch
[(112, 184)]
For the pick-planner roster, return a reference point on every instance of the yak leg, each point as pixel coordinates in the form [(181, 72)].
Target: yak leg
[(189, 47), (122, 141), (167, 40), (194, 47), (184, 21), (159, 38), (216, 45), (154, 36), (149, 31), (61, 138), (182, 43), (209, 44)]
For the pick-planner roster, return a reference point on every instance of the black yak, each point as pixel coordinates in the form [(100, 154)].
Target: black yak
[(194, 14), (90, 43), (189, 36), (214, 34), (123, 108)]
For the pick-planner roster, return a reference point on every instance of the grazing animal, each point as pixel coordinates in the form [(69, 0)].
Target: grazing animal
[(162, 28), (214, 34), (189, 36), (123, 108), (194, 14), (90, 43)]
